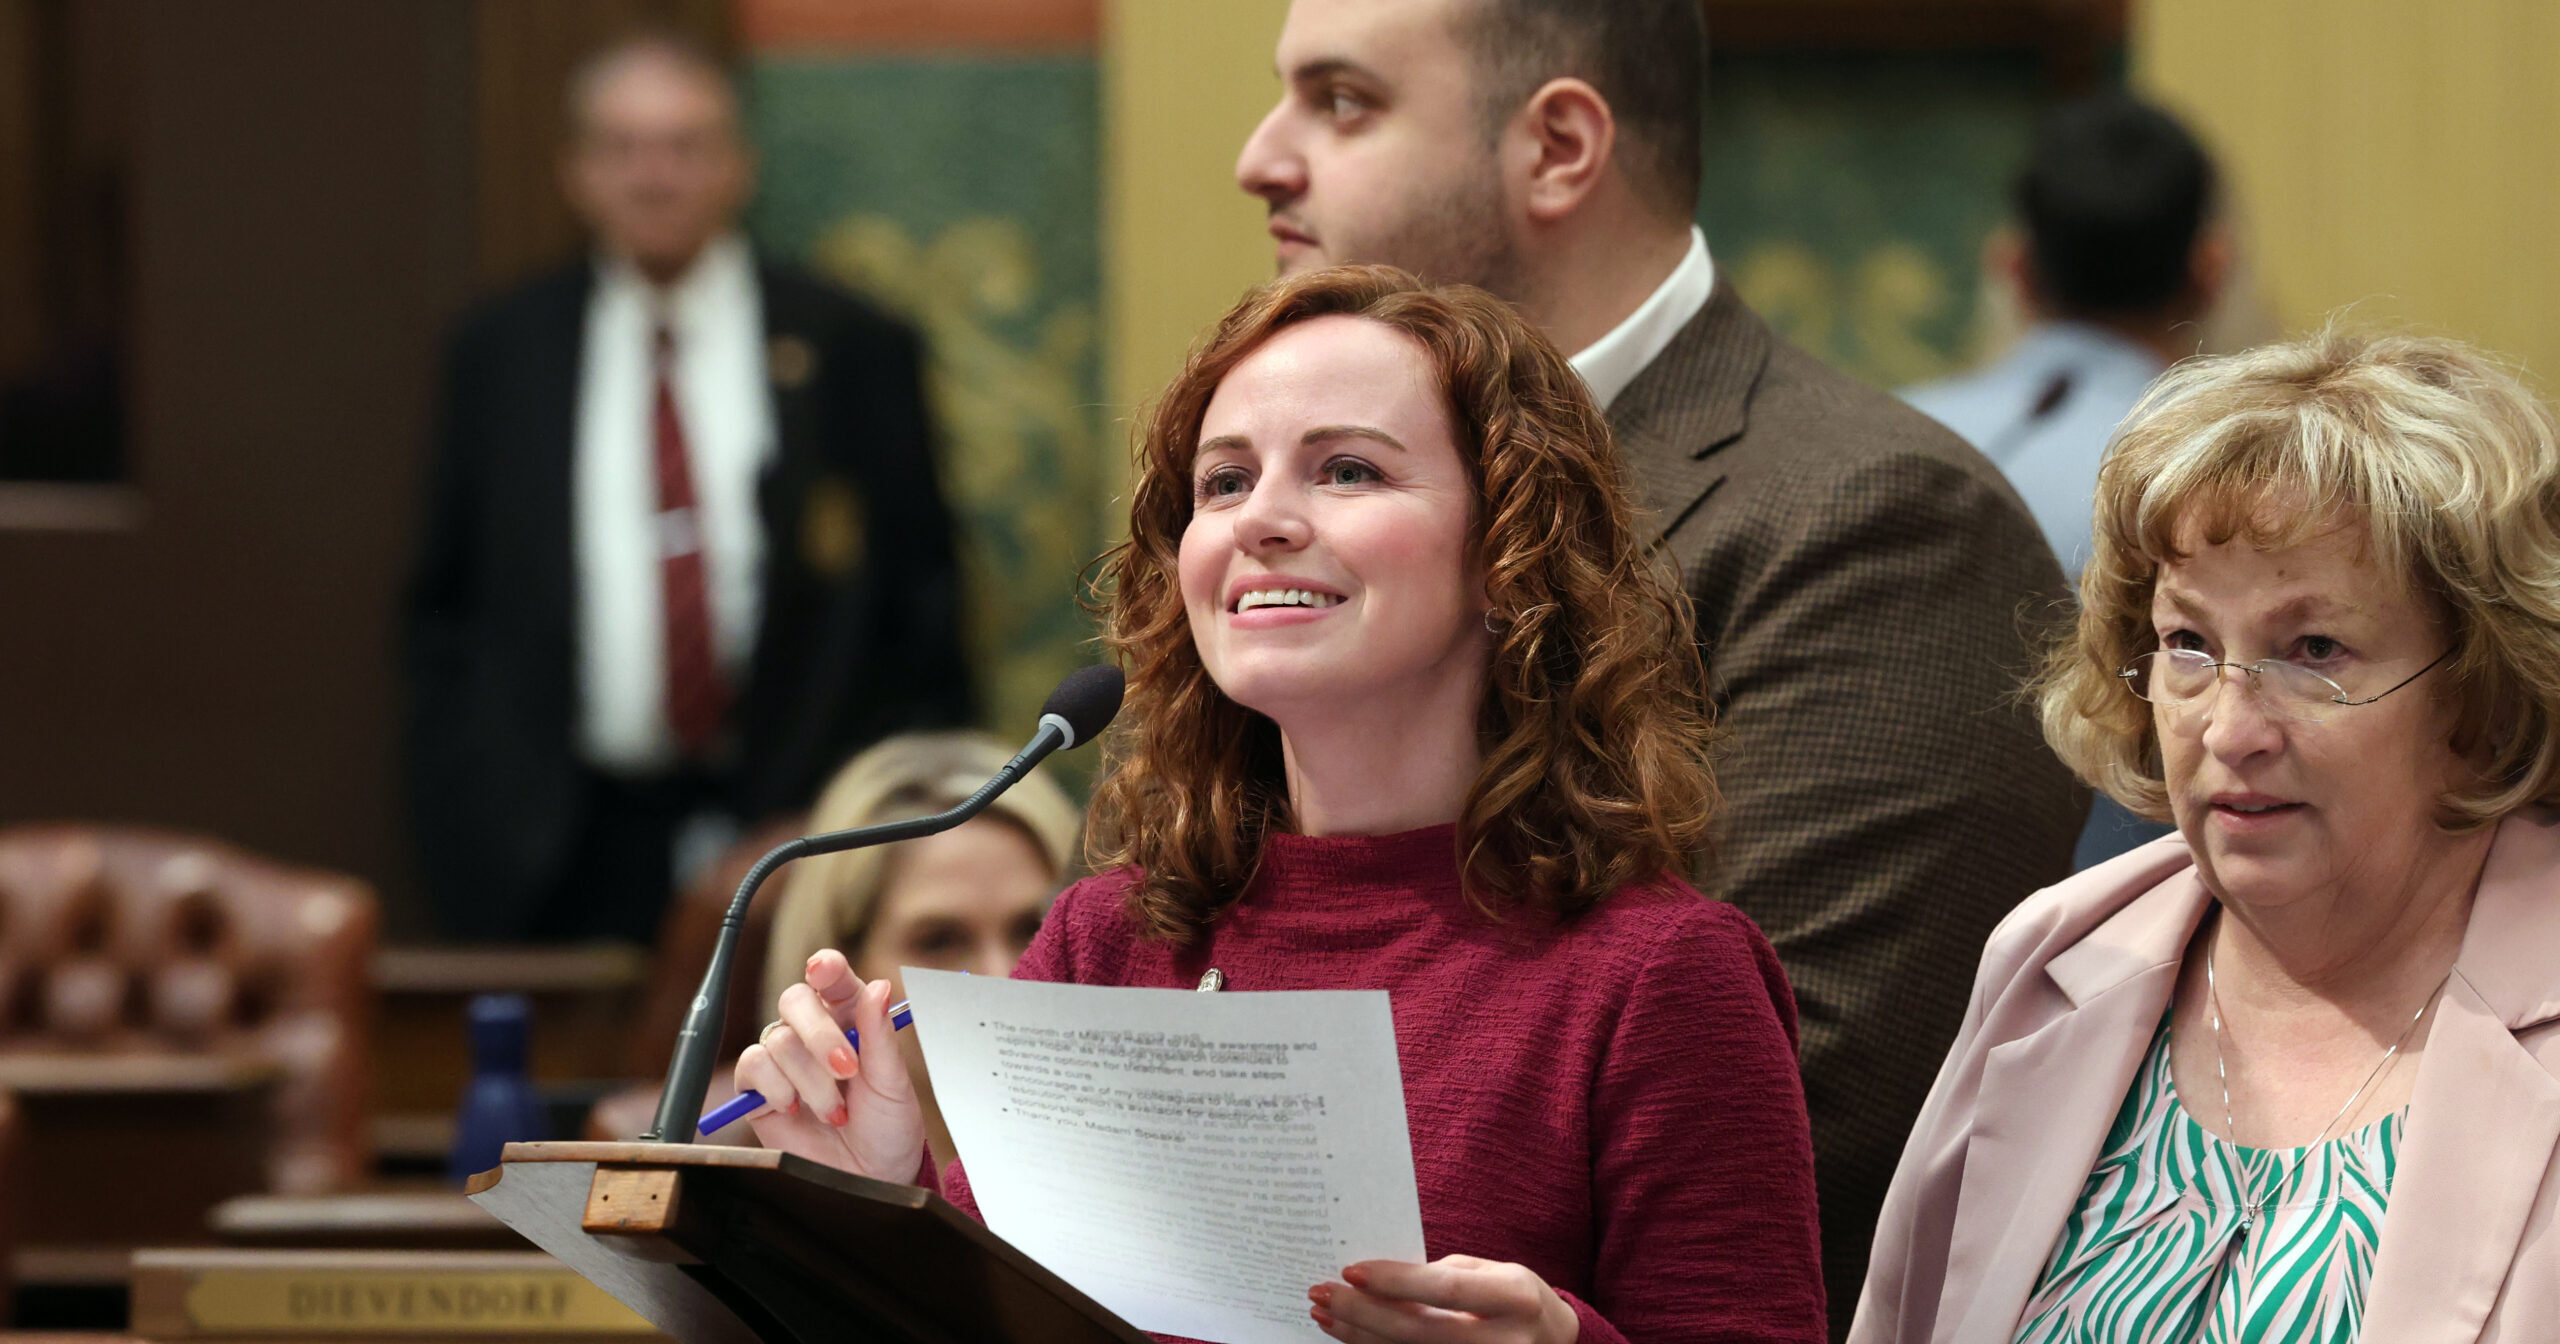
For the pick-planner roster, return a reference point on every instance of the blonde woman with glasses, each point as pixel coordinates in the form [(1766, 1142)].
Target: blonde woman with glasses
[(2288, 1075)]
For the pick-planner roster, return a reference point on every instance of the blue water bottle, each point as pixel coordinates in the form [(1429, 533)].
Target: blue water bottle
[(498, 1105)]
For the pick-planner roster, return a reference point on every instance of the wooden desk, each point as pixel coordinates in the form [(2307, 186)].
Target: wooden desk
[(130, 1148), (368, 1220), (68, 1073), (585, 1002)]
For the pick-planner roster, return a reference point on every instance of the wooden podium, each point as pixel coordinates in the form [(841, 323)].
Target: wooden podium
[(719, 1245)]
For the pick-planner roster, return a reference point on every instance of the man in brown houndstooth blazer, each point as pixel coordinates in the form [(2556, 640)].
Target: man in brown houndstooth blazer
[(1864, 580), (1859, 582)]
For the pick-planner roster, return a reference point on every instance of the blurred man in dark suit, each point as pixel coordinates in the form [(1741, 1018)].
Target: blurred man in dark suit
[(1859, 573), (684, 550)]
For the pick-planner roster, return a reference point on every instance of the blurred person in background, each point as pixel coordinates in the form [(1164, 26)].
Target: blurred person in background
[(1857, 572), (969, 899), (684, 548), (2117, 257), (2294, 1073)]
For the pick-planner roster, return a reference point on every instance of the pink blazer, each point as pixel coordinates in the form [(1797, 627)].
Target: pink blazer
[(2071, 988)]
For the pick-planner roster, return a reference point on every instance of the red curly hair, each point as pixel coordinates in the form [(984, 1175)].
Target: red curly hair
[(1595, 728)]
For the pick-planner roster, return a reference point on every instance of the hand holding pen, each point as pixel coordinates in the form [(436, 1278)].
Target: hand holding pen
[(739, 1107), (824, 1100)]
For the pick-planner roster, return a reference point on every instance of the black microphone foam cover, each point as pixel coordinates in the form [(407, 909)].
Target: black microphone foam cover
[(1086, 700)]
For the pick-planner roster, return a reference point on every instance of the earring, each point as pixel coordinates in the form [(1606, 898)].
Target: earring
[(1491, 627)]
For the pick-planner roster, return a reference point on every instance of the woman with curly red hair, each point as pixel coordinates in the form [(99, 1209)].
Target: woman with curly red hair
[(1411, 709)]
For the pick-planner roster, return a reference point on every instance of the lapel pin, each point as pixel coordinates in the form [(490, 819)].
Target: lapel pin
[(790, 361)]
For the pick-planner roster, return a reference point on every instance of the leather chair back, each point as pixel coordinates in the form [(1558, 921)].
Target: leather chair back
[(686, 936), (125, 939)]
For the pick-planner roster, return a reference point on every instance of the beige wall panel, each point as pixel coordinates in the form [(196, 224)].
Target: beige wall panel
[(2402, 158), (1183, 83)]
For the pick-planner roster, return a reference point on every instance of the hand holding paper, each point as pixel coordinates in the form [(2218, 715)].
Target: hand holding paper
[(1456, 1299)]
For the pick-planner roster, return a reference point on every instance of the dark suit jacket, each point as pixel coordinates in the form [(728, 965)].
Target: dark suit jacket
[(859, 634), (1861, 578)]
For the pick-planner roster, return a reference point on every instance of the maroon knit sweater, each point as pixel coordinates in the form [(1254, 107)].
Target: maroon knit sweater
[(1611, 1101)]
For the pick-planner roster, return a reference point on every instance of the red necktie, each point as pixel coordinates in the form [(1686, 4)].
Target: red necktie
[(697, 699)]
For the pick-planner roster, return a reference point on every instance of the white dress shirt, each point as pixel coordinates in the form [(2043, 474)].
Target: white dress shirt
[(1613, 361), (716, 315)]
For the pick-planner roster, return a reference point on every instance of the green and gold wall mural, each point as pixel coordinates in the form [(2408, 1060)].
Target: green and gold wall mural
[(961, 192), (1848, 195)]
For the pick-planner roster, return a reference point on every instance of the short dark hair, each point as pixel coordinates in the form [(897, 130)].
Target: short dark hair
[(2113, 197), (1648, 58)]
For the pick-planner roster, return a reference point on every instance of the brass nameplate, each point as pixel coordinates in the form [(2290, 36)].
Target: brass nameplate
[(541, 1301)]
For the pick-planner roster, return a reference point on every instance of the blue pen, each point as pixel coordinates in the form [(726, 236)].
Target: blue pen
[(736, 1108)]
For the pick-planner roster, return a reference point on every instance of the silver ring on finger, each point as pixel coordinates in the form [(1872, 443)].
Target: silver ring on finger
[(768, 1030)]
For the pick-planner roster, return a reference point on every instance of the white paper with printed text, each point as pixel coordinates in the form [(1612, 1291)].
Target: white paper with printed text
[(1194, 1162)]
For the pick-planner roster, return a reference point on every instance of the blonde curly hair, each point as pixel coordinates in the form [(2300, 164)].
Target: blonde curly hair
[(2437, 455)]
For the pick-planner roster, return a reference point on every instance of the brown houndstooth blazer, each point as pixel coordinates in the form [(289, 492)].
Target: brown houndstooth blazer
[(1863, 582)]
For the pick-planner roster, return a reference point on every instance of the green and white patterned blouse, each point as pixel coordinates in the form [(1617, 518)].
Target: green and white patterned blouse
[(2152, 1255)]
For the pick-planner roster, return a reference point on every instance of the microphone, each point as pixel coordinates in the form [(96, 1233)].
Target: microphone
[(1075, 714)]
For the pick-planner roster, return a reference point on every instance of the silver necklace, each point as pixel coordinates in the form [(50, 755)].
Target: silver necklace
[(2253, 1206)]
